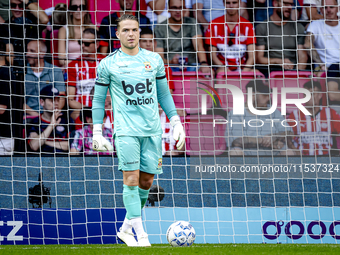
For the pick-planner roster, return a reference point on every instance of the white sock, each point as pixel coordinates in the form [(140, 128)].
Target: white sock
[(137, 225), (126, 225)]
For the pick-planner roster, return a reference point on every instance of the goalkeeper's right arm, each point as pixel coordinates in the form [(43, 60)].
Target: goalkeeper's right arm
[(98, 104)]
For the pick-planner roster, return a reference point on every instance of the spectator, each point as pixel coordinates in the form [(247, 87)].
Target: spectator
[(39, 75), (82, 73), (57, 20), (19, 28), (206, 11), (147, 40), (108, 27), (6, 137), (267, 139), (323, 37), (280, 42), (264, 9), (157, 10), (82, 142), (333, 87), (48, 133), (59, 16), (313, 134), (311, 10), (180, 38), (234, 50), (33, 11), (4, 10), (78, 19)]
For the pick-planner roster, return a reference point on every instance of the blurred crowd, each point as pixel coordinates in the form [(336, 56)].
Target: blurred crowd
[(49, 57)]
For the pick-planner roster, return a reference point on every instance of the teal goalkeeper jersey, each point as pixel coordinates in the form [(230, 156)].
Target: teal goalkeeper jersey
[(136, 84)]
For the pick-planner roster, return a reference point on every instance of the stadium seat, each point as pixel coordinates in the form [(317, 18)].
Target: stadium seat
[(187, 94), (289, 79), (237, 79), (202, 138), (100, 9), (50, 3)]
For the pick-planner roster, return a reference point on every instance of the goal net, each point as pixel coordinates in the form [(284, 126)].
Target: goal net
[(261, 159)]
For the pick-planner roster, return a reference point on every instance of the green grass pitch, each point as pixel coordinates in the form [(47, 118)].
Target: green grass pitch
[(163, 249)]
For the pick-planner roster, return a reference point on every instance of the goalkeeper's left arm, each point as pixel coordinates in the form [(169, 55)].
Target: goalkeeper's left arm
[(167, 103), (98, 107)]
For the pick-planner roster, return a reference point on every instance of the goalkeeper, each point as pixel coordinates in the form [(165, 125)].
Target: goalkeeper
[(137, 83)]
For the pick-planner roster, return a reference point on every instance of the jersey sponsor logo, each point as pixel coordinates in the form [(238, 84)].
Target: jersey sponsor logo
[(140, 101), (232, 52), (315, 138), (139, 88)]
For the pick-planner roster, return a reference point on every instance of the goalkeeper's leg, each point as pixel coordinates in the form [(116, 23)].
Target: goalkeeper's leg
[(128, 151), (133, 206), (145, 182)]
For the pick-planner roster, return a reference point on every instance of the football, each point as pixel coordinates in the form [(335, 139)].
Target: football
[(181, 233)]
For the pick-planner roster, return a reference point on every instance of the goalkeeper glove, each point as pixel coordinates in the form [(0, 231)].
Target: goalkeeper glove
[(99, 142), (178, 132)]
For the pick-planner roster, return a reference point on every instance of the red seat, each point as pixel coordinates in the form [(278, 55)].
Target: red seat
[(289, 79), (100, 9), (50, 3), (187, 94), (202, 138), (237, 79)]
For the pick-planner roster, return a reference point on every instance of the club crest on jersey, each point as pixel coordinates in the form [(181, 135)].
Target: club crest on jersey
[(147, 66), (159, 163)]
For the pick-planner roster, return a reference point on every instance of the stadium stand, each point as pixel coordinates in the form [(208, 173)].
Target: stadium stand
[(186, 94), (77, 193)]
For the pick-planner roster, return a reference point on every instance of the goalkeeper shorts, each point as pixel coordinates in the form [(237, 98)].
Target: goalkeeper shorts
[(143, 153)]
